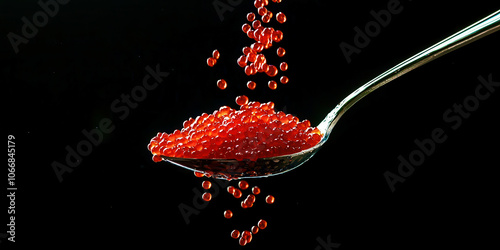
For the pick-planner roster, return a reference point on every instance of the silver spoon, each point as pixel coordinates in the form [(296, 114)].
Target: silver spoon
[(263, 167)]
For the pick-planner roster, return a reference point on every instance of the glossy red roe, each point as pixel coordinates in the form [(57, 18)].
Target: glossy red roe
[(206, 184), (256, 190), (280, 51), (206, 196), (251, 85), (250, 16), (255, 229), (228, 214), (242, 100), (211, 61), (284, 79), (222, 84), (243, 185), (216, 54), (280, 17), (272, 85), (262, 224), (269, 199), (235, 234), (254, 131), (283, 66)]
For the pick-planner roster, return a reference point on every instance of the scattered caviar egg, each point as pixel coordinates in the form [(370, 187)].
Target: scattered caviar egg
[(249, 70), (272, 71), (206, 184), (258, 3), (235, 234), (216, 54), (256, 24), (242, 61), (247, 235), (266, 18), (251, 85), (199, 174), (250, 16), (256, 190), (246, 27), (237, 193), (222, 84), (211, 61), (283, 66), (243, 185), (255, 229), (242, 100), (277, 35), (262, 10), (280, 17), (272, 85), (157, 158), (230, 189), (228, 214), (206, 196), (269, 199), (280, 51), (242, 241), (262, 224), (284, 79), (244, 204)]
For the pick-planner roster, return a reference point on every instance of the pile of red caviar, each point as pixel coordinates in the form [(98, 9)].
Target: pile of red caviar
[(255, 131)]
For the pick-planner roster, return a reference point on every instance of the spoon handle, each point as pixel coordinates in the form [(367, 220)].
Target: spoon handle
[(470, 34)]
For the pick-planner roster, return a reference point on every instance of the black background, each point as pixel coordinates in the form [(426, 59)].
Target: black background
[(65, 78)]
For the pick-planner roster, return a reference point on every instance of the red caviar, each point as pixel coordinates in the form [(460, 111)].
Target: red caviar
[(206, 196), (235, 234), (262, 224), (251, 85), (255, 131), (222, 84), (206, 184), (228, 214), (243, 185), (270, 199)]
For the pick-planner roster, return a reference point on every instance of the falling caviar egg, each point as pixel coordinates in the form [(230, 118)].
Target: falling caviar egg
[(222, 84), (284, 79), (243, 185), (280, 17), (269, 199), (251, 85), (280, 51), (206, 196), (241, 100), (216, 54), (206, 184), (272, 85), (211, 61), (235, 234), (262, 224), (228, 214)]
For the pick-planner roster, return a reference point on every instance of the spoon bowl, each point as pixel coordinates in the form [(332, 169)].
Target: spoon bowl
[(264, 167)]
